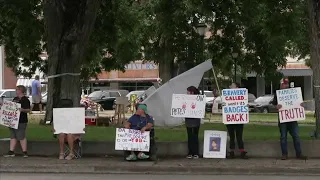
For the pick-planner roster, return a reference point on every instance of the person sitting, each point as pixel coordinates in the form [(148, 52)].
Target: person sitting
[(70, 139), (139, 121)]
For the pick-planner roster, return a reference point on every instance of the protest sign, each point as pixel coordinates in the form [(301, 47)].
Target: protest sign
[(132, 140), (290, 100), (69, 120), (215, 144), (188, 106), (236, 110), (10, 114)]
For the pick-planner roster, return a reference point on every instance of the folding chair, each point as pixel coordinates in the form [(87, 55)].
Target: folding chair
[(68, 103)]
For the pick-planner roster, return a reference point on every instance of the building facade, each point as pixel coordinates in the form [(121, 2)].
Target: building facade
[(8, 78)]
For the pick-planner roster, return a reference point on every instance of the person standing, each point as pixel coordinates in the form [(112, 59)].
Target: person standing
[(36, 93), (20, 133), (291, 127), (193, 126), (236, 131)]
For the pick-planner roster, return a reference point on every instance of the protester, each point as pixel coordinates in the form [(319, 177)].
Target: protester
[(36, 93), (139, 121), (20, 133), (291, 127), (70, 139), (236, 131), (193, 126)]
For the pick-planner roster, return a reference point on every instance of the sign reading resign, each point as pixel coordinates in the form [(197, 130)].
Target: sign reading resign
[(236, 110), (290, 100), (10, 114), (188, 106), (132, 140)]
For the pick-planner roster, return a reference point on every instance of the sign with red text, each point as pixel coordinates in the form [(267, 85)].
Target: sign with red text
[(132, 140), (10, 114), (290, 101), (235, 109), (188, 106)]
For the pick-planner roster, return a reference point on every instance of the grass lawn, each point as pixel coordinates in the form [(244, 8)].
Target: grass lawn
[(251, 132)]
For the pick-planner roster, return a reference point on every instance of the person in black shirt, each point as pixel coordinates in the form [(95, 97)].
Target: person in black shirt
[(20, 133), (235, 131), (193, 126), (291, 127)]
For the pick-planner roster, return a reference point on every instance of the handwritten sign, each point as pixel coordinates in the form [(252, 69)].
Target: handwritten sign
[(132, 140), (290, 100), (236, 110), (69, 120), (189, 106), (215, 144), (10, 114)]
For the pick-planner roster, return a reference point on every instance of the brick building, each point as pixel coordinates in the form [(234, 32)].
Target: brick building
[(8, 79)]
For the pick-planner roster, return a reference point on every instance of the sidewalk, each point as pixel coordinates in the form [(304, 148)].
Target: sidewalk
[(163, 166)]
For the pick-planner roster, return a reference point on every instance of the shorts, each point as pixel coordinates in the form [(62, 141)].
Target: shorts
[(20, 133), (36, 99)]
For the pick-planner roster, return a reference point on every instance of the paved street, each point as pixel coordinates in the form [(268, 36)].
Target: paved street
[(144, 177)]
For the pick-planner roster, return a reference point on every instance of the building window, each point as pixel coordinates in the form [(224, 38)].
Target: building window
[(134, 86)]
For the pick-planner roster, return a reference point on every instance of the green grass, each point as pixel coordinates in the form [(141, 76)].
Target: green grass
[(251, 132)]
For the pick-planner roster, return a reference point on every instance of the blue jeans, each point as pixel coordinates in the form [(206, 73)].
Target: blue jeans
[(293, 129)]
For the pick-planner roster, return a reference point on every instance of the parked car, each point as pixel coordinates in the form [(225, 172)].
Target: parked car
[(251, 99), (7, 94), (105, 98), (263, 104), (209, 95), (138, 93)]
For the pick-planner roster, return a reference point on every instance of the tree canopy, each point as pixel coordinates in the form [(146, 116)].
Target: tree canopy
[(262, 32)]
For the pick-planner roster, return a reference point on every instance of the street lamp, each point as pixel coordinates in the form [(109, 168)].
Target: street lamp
[(201, 30), (235, 56)]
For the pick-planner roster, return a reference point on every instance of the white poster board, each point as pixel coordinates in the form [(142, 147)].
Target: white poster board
[(215, 106), (290, 100), (215, 144), (188, 106), (236, 110), (10, 114), (69, 120), (132, 140)]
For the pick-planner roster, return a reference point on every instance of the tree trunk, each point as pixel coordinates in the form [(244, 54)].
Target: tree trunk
[(314, 17), (167, 63), (69, 24)]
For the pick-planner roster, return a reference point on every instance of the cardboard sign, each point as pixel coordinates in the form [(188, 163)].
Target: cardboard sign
[(215, 144), (290, 100), (188, 106), (132, 140), (236, 110), (69, 120), (10, 114)]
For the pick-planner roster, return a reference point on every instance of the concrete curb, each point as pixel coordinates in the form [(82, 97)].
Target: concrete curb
[(263, 170), (256, 149)]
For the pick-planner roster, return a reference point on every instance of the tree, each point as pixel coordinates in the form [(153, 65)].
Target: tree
[(314, 20), (82, 37)]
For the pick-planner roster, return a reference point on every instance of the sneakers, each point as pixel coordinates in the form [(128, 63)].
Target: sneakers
[(195, 157), (192, 157), (243, 155), (302, 157), (10, 154), (25, 154), (284, 157), (143, 156), (131, 157)]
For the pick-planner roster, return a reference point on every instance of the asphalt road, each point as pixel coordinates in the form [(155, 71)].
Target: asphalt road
[(6, 176)]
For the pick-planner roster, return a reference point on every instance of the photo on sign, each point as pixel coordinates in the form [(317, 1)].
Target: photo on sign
[(214, 144)]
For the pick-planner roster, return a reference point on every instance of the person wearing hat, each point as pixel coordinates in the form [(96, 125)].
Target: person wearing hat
[(291, 127), (139, 121)]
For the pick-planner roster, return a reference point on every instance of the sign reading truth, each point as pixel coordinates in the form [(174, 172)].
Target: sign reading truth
[(290, 101)]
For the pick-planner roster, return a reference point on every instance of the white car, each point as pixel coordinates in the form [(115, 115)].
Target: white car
[(209, 95), (138, 93)]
